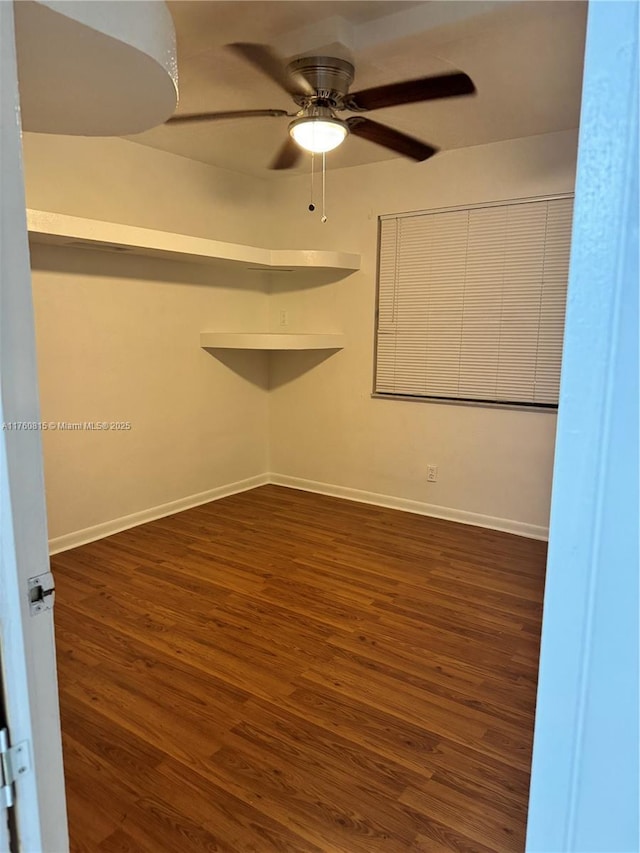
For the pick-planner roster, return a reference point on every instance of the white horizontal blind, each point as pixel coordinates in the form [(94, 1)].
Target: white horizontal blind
[(471, 302)]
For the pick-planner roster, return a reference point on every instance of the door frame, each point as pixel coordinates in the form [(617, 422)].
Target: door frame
[(26, 641), (584, 783)]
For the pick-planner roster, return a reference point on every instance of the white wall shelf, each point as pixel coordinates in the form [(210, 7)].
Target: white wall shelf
[(76, 232), (270, 341)]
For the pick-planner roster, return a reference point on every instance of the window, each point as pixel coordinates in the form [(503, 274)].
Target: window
[(471, 302)]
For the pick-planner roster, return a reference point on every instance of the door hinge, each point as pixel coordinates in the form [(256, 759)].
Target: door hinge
[(14, 763), (41, 593)]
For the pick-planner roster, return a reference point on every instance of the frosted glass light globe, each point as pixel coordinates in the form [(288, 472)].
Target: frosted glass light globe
[(318, 135)]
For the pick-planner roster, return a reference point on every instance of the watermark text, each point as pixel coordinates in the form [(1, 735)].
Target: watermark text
[(66, 426)]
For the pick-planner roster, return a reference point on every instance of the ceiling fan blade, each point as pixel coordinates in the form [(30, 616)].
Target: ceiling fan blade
[(266, 60), (194, 118), (373, 131), (411, 92), (287, 157)]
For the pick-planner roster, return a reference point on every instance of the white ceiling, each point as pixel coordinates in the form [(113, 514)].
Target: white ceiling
[(524, 57)]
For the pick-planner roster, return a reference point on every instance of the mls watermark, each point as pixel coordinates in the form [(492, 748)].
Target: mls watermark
[(66, 426)]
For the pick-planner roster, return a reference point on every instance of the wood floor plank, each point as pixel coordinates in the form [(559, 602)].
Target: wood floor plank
[(343, 816), (284, 671), (499, 831)]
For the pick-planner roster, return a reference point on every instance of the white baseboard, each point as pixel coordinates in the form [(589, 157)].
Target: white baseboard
[(507, 525), (99, 531)]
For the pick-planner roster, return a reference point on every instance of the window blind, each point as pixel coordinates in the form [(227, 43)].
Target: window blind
[(471, 302)]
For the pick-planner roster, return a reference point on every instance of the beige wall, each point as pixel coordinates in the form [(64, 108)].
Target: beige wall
[(324, 426), (118, 337), (119, 181), (118, 340)]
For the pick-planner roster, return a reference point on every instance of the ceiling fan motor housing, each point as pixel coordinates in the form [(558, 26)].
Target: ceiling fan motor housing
[(330, 77)]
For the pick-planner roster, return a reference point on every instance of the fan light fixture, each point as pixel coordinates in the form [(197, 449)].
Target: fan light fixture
[(320, 88), (318, 133)]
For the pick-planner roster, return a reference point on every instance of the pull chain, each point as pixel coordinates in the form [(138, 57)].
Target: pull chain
[(323, 218), (312, 206)]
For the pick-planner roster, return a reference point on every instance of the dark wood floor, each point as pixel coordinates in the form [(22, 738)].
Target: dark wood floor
[(285, 671)]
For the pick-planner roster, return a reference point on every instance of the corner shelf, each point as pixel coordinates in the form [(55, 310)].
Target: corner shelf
[(313, 266), (269, 341), (76, 232)]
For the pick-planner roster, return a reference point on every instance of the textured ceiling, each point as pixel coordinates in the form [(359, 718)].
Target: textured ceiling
[(524, 57)]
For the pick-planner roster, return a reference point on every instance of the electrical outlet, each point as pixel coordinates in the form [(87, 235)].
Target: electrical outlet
[(284, 318), (432, 473)]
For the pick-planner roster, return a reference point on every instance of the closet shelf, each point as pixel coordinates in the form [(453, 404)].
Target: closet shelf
[(269, 341), (76, 232)]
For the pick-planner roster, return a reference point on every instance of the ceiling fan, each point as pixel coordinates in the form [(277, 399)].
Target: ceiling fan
[(319, 85)]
